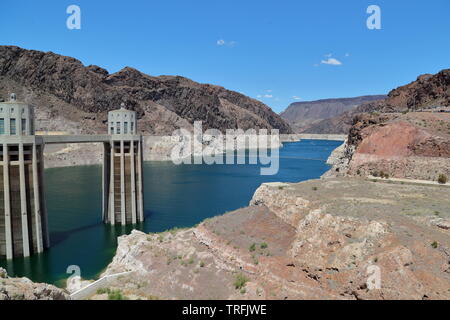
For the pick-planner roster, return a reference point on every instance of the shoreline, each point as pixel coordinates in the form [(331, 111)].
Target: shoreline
[(156, 148), (221, 245)]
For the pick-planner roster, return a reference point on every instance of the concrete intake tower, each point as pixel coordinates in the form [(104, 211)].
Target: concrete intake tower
[(23, 216), (122, 170), (23, 227)]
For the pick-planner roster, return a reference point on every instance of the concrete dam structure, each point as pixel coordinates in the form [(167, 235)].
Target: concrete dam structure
[(23, 225)]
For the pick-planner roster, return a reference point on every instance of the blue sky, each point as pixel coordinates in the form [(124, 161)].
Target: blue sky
[(269, 50)]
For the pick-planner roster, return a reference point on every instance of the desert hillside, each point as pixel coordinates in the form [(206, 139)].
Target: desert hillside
[(426, 92), (406, 136), (74, 98)]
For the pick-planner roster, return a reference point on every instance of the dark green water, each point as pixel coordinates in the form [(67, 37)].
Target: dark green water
[(175, 196)]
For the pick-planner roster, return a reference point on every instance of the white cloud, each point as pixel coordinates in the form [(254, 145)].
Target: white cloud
[(331, 61), (347, 54), (222, 42), (265, 96), (296, 98), (329, 55)]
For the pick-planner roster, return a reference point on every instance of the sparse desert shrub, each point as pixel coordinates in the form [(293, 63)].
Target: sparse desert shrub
[(116, 295), (384, 175), (240, 281), (264, 245), (314, 188), (434, 245), (252, 247), (442, 179), (103, 291)]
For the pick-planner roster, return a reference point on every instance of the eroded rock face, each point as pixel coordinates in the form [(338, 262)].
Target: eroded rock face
[(321, 239), (25, 289), (411, 145)]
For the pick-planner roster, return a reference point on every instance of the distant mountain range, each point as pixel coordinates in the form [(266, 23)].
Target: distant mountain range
[(303, 116), (426, 91), (75, 98), (336, 115)]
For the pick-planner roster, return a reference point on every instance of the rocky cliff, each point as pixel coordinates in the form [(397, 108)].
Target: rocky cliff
[(73, 98), (323, 239), (414, 145), (427, 91), (404, 136), (302, 115)]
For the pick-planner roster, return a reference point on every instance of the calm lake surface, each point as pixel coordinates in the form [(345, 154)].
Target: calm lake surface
[(175, 196)]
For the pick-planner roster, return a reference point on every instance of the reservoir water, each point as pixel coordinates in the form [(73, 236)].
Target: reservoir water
[(175, 196)]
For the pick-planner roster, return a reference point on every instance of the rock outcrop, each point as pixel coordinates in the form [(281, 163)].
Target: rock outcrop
[(404, 136), (413, 145), (321, 239), (25, 289)]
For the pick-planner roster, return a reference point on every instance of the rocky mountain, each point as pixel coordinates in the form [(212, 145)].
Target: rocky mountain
[(427, 91), (301, 115), (74, 98)]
